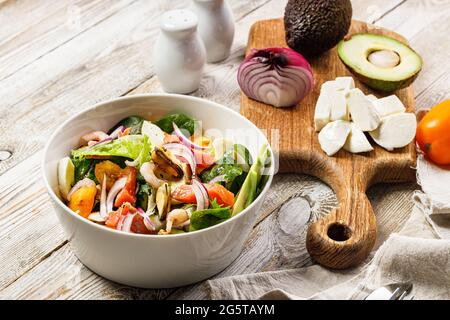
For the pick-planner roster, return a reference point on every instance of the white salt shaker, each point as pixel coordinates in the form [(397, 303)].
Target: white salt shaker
[(179, 55), (216, 27)]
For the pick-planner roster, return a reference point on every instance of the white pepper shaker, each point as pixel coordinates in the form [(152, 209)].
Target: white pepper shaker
[(216, 27), (179, 55)]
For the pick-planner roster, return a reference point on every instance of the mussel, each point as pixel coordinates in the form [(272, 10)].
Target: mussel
[(163, 200), (167, 167)]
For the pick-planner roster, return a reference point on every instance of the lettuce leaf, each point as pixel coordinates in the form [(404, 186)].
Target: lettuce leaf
[(133, 147)]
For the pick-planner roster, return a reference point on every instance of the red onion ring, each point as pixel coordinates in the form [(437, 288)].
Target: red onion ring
[(141, 211), (103, 208), (115, 133), (115, 189), (102, 141), (218, 179), (120, 222), (184, 140), (201, 194), (86, 182), (127, 222)]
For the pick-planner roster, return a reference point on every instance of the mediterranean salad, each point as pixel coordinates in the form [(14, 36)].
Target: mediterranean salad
[(162, 177)]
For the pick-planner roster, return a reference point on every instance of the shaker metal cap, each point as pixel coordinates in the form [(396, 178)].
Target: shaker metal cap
[(179, 20)]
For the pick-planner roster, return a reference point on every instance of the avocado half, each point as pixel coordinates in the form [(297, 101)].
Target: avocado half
[(380, 62)]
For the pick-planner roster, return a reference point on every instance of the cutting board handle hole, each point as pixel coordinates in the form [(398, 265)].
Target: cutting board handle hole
[(339, 232)]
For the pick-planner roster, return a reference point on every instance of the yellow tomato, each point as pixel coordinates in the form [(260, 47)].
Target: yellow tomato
[(110, 169), (82, 200)]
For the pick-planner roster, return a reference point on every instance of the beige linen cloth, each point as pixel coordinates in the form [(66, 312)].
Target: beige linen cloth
[(419, 253)]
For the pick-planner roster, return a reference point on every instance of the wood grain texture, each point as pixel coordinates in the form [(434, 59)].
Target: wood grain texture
[(345, 237)]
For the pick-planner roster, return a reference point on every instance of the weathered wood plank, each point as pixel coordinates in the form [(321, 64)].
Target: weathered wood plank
[(391, 204), (29, 227), (75, 75), (31, 34)]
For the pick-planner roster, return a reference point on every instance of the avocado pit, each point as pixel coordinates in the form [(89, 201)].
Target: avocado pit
[(384, 58)]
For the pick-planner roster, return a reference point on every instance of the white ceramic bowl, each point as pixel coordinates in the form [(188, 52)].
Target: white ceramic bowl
[(151, 261)]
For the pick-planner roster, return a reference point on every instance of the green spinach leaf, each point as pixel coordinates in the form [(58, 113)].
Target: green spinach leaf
[(142, 196), (230, 171), (233, 167), (206, 218), (132, 122), (181, 120), (84, 168)]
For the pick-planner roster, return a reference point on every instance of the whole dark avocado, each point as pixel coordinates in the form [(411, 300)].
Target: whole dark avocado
[(315, 26)]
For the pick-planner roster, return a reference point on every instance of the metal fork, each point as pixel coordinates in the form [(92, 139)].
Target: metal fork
[(393, 291), (401, 291)]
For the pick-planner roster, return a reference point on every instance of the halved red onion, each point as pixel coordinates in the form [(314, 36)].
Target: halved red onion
[(103, 209), (201, 194), (115, 133), (277, 76), (218, 179), (186, 141), (115, 189), (126, 225), (86, 182), (183, 151)]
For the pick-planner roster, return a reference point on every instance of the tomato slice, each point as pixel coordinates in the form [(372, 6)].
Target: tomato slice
[(216, 191), (128, 193)]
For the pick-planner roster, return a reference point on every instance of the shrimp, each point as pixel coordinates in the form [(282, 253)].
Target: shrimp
[(176, 218), (93, 138), (147, 171)]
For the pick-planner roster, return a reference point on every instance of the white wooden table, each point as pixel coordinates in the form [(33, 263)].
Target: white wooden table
[(59, 57)]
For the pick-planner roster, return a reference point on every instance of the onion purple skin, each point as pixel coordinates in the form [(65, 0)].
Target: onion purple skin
[(277, 76)]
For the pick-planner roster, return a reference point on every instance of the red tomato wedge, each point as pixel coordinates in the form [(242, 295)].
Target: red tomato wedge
[(216, 191), (128, 193)]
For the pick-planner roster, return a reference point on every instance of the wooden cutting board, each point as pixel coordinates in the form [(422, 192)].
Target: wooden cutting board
[(345, 237)]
